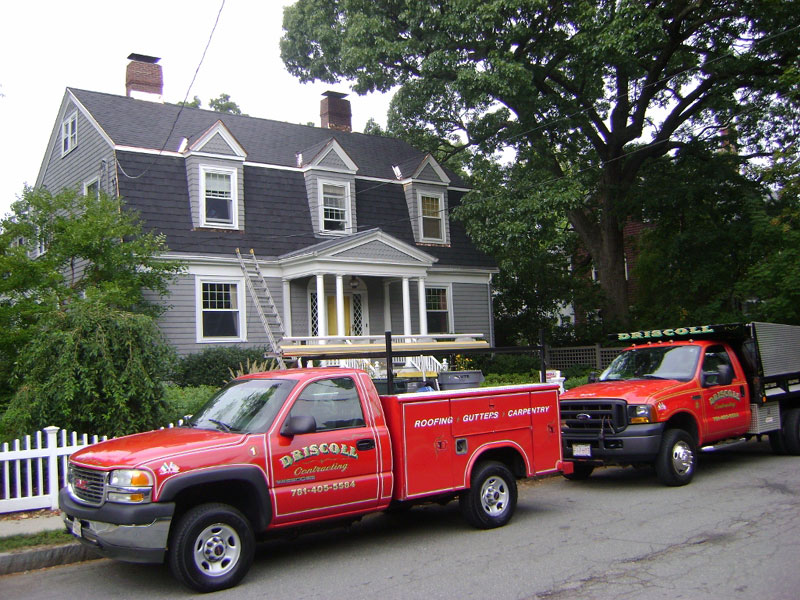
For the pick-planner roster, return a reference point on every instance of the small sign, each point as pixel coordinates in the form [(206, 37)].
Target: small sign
[(584, 450)]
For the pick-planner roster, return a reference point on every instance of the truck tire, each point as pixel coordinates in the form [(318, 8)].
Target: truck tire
[(211, 548), (580, 471), (491, 498), (791, 431), (776, 442), (677, 458)]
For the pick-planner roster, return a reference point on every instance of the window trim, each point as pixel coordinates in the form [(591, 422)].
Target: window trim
[(421, 218), (234, 175), (90, 182), (242, 309), (448, 288), (71, 138), (348, 219)]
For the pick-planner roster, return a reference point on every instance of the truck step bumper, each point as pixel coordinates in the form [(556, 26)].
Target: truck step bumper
[(129, 543), (635, 445)]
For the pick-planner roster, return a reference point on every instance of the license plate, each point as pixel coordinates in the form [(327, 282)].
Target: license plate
[(581, 450), (76, 528)]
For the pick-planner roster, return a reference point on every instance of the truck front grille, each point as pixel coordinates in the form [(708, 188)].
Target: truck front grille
[(87, 485), (594, 415)]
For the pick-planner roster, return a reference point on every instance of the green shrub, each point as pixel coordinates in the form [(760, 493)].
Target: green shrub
[(91, 369), (506, 363), (182, 401), (213, 366), (494, 379)]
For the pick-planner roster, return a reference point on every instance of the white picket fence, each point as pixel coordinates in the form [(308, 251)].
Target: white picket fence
[(34, 469)]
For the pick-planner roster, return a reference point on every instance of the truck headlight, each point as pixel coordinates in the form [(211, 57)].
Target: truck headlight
[(130, 486), (640, 413)]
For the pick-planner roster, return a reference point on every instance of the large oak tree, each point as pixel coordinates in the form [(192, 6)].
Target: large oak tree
[(586, 92)]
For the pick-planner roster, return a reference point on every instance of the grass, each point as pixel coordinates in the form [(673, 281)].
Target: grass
[(46, 538)]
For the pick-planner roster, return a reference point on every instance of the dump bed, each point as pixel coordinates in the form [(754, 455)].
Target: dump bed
[(778, 353), (437, 437)]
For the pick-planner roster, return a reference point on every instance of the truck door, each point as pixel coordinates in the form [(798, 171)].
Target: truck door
[(724, 397), (332, 469)]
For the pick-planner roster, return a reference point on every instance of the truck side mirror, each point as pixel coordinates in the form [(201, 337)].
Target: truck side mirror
[(297, 425)]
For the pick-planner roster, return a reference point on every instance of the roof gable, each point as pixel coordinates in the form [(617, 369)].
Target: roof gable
[(217, 139)]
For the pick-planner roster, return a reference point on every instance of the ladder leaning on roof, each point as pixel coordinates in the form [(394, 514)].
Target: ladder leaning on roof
[(273, 325)]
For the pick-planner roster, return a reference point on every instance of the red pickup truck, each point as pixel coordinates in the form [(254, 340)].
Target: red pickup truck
[(288, 448), (675, 391)]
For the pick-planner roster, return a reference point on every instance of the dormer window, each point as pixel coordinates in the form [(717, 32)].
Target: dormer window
[(219, 205), (69, 133), (431, 217), (335, 207)]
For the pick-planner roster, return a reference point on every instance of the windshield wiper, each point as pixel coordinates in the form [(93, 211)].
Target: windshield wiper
[(224, 426), (651, 376)]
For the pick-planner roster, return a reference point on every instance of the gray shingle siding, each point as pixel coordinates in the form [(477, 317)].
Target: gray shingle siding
[(471, 309), (217, 145)]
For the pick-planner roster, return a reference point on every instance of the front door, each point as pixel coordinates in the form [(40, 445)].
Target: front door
[(333, 316), (724, 400), (333, 469)]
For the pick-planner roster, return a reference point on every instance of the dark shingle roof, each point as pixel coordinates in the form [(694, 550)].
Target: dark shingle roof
[(144, 124)]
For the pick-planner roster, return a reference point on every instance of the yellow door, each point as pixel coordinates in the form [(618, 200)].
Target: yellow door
[(333, 321)]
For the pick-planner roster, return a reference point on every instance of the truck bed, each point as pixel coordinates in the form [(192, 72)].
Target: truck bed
[(438, 436)]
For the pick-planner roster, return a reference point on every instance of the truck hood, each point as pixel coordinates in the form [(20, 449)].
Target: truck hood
[(637, 391), (141, 448)]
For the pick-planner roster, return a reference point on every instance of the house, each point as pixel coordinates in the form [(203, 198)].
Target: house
[(350, 233)]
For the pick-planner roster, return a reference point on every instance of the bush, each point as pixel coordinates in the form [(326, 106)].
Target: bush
[(506, 363), (213, 365), (91, 369), (494, 379), (182, 401)]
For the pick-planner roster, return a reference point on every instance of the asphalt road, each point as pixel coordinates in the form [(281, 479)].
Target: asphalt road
[(732, 533)]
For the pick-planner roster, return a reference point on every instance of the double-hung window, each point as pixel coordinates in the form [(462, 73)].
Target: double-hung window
[(219, 206), (221, 316), (431, 217), (69, 133), (334, 207), (437, 308)]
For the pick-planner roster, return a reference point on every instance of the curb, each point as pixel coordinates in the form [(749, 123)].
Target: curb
[(51, 556)]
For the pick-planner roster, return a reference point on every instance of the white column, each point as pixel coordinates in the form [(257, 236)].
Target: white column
[(340, 306), (423, 312), (406, 307), (387, 307), (287, 308), (322, 307)]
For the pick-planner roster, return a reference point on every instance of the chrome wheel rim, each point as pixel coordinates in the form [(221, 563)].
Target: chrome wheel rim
[(494, 496), (682, 458), (217, 549)]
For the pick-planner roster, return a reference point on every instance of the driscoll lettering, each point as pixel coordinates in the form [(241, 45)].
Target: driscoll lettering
[(668, 333), (317, 450)]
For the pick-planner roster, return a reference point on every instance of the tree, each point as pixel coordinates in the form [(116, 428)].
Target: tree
[(57, 250), (224, 104), (587, 92), (194, 103)]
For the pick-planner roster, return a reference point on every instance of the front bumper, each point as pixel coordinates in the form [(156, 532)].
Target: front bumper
[(635, 444), (131, 533)]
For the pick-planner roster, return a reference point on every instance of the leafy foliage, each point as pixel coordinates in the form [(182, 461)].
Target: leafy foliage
[(92, 369), (586, 92), (182, 401), (224, 104), (214, 365), (94, 249)]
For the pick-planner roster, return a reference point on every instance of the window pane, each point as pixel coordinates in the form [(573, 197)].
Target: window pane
[(219, 296), (431, 228), (218, 198), (220, 323), (334, 208), (437, 322), (334, 404), (431, 217), (436, 305), (436, 298)]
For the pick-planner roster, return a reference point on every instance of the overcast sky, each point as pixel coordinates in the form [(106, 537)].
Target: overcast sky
[(49, 45)]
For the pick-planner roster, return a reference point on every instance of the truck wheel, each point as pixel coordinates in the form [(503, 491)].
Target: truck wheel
[(776, 442), (677, 458), (492, 497), (580, 471), (791, 431), (212, 548)]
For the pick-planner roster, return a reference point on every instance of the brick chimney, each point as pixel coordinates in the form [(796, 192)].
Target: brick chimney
[(143, 78), (334, 112)]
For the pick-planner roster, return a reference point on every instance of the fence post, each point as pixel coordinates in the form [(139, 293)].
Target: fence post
[(52, 465)]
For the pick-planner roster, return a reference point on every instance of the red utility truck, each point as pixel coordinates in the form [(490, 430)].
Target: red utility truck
[(285, 449), (674, 391)]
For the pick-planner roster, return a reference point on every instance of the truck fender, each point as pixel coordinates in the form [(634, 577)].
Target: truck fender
[(251, 476), (491, 451)]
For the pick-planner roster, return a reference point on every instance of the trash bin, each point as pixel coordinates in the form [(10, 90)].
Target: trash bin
[(458, 380)]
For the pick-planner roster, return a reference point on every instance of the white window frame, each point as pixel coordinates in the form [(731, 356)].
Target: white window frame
[(89, 183), (69, 134), (448, 288), (348, 219), (421, 218), (241, 304), (234, 175)]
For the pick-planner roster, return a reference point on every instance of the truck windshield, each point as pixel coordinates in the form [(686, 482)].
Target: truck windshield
[(247, 406), (662, 362)]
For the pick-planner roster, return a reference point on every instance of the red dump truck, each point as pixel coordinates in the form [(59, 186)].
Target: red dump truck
[(284, 449), (675, 391)]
